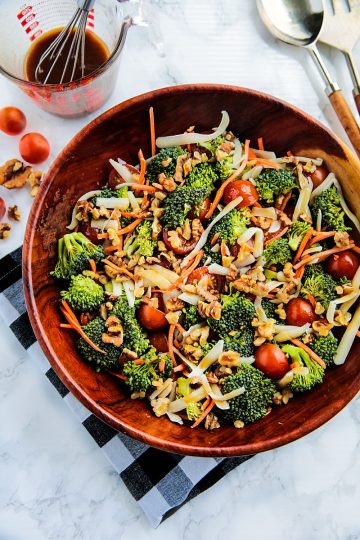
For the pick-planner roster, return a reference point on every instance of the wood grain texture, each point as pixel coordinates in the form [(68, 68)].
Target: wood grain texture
[(82, 166), (347, 118), (357, 102)]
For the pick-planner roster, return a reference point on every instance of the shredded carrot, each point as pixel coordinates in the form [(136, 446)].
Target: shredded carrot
[(120, 246), (92, 265), (186, 272), (62, 325), (180, 367), (142, 167), (318, 236), (170, 343), (311, 300), (130, 227), (260, 143), (358, 333), (215, 237), (110, 249), (176, 343), (131, 214), (321, 256), (206, 403), (257, 204), (152, 131), (285, 201), (204, 414), (188, 146), (121, 270), (180, 328), (161, 365), (118, 375), (302, 245), (72, 320), (144, 202), (310, 352), (289, 153), (267, 163), (223, 248), (251, 154), (103, 235), (356, 249), (139, 361), (220, 191), (277, 235), (144, 187), (300, 272)]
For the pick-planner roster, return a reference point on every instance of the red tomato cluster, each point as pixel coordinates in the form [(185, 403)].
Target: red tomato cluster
[(33, 147)]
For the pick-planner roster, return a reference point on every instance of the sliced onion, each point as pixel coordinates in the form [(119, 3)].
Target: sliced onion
[(190, 298), (84, 197), (264, 212), (264, 154), (212, 355), (104, 224), (332, 305), (223, 405), (260, 313), (275, 226), (348, 339), (319, 220), (193, 138), (122, 203), (121, 169), (237, 153), (158, 391), (329, 180), (259, 239), (193, 327), (286, 332), (356, 284), (129, 291), (215, 268), (248, 261), (153, 279), (133, 201), (175, 418), (302, 204), (252, 173), (117, 288)]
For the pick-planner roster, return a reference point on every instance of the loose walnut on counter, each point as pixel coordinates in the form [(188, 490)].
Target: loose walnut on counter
[(14, 174), (5, 229), (13, 213)]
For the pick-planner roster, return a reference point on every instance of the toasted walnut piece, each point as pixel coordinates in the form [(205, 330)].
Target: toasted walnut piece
[(309, 167), (114, 340), (239, 424), (104, 212), (306, 218), (211, 377), (229, 358), (193, 350), (111, 321), (264, 330), (137, 395), (339, 290), (174, 239), (286, 395), (160, 195), (289, 271), (13, 213), (178, 175), (340, 318), (168, 184), (322, 327), (85, 318), (84, 210), (5, 229), (342, 239), (211, 422), (196, 228), (277, 398), (212, 310), (174, 304), (173, 317), (281, 311), (160, 406), (186, 230), (166, 162), (127, 355), (284, 294)]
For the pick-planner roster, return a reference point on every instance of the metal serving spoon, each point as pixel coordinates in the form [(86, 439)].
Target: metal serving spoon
[(299, 22)]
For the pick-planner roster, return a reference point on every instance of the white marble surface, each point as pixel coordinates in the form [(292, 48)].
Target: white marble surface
[(54, 482)]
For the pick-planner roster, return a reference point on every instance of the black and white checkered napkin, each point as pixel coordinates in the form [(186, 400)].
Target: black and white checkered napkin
[(159, 481)]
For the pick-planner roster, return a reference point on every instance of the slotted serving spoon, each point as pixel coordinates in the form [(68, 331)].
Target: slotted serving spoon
[(299, 22)]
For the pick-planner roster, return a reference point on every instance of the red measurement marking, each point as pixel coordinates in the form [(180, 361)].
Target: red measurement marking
[(90, 24), (31, 27), (24, 12), (24, 22), (37, 34), (91, 16)]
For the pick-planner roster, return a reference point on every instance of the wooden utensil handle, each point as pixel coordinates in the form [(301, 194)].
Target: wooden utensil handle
[(357, 101), (346, 118)]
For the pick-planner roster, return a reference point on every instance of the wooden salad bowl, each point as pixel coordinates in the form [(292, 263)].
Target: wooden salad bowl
[(83, 165)]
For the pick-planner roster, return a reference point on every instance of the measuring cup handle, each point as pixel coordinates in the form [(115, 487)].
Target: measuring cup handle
[(125, 25)]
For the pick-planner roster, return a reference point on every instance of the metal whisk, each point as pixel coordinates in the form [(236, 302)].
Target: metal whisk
[(75, 30)]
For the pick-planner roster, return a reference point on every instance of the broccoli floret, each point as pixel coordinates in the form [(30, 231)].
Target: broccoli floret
[(201, 176), (190, 317), (332, 214), (213, 145), (240, 341), (270, 183), (122, 192), (178, 204), (236, 312), (325, 347), (74, 253), (319, 284), (169, 157), (140, 241), (232, 225), (253, 403), (193, 409), (302, 383), (135, 337), (269, 307), (296, 233), (102, 362), (277, 252), (140, 377), (107, 193), (225, 168), (84, 294)]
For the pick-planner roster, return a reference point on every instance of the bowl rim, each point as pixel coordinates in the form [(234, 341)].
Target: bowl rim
[(82, 396)]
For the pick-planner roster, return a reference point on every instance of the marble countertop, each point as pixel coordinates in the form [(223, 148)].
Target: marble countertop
[(55, 482)]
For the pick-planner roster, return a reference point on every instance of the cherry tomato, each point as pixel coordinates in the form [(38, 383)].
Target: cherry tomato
[(271, 360), (2, 208), (201, 211), (12, 120), (90, 232), (180, 250), (34, 148), (319, 175), (159, 341), (151, 318), (343, 264), (299, 311), (197, 274), (241, 188)]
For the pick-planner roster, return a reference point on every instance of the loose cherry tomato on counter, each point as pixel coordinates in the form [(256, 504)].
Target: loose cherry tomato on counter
[(241, 188), (90, 232), (271, 360), (2, 208), (343, 264), (151, 318), (12, 120), (299, 312), (183, 249), (159, 341), (319, 175), (34, 148), (201, 211)]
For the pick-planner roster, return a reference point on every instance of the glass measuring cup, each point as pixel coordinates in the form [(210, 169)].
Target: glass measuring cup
[(23, 22)]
